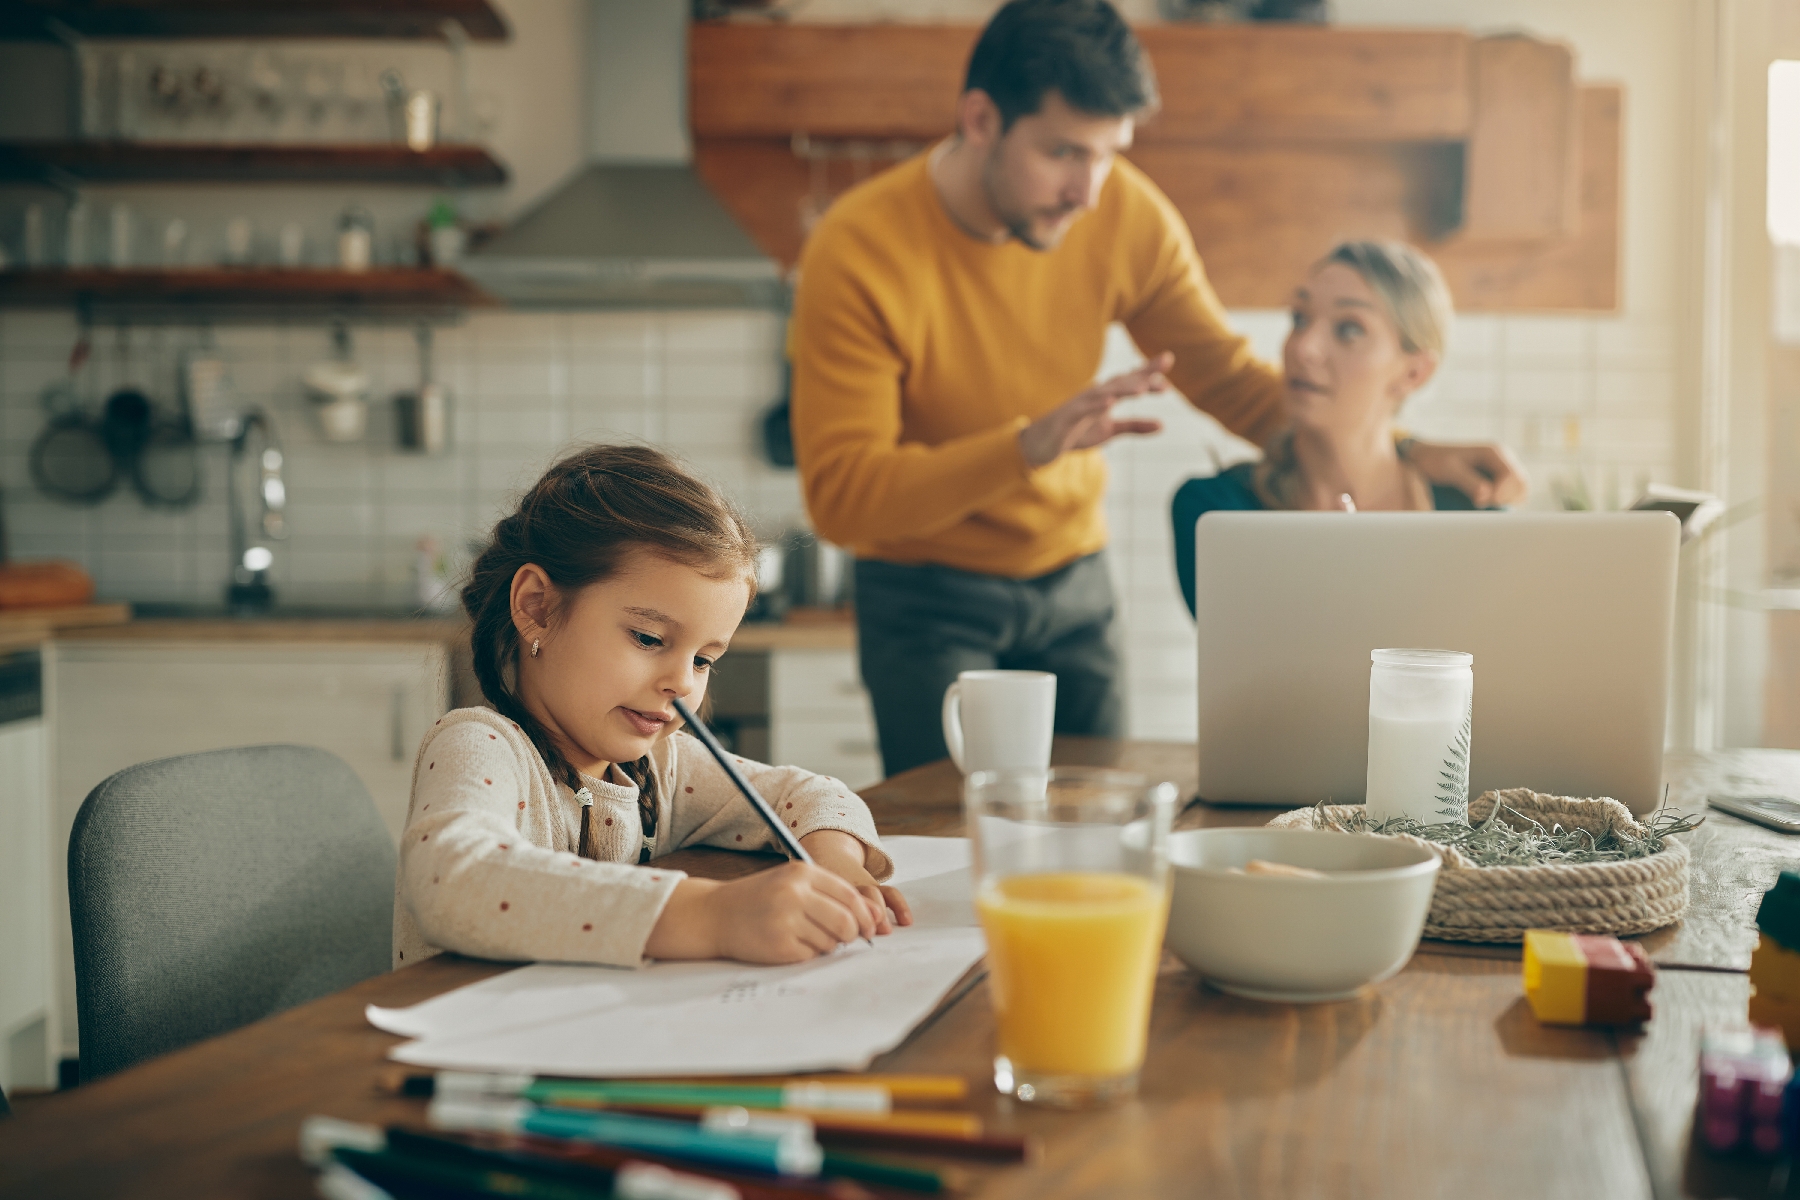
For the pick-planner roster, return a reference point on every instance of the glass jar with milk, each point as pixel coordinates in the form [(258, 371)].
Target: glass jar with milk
[(1420, 720)]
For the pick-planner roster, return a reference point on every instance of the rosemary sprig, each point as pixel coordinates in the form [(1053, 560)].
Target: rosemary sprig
[(1520, 840)]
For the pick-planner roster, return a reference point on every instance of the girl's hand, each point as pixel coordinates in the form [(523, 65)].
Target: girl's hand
[(786, 914), (844, 856)]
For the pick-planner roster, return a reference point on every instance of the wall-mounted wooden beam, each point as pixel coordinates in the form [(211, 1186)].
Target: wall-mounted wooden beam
[(1275, 142), (1523, 178), (1308, 83)]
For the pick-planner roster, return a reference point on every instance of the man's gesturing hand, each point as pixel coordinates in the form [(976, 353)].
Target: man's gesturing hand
[(1086, 420)]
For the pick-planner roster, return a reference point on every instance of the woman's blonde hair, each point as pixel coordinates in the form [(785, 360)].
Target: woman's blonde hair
[(1411, 289)]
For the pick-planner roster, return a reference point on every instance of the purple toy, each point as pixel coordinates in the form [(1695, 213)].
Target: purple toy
[(1744, 1073)]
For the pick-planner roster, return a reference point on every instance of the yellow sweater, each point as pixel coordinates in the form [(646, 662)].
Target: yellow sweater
[(919, 353)]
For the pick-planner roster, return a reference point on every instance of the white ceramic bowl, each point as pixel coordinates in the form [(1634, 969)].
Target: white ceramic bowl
[(1279, 938)]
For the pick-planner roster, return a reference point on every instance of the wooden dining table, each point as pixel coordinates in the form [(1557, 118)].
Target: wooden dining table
[(1437, 1083)]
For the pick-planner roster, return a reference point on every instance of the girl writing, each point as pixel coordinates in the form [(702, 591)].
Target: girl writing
[(534, 824)]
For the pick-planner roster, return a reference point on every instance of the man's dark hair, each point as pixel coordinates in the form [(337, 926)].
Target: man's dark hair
[(1081, 49)]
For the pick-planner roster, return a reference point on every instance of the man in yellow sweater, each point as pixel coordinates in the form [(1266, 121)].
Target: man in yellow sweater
[(950, 317)]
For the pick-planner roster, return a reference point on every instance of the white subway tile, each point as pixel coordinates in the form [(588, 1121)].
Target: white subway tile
[(599, 378), (1550, 341), (536, 332), (1637, 343), (722, 379), (1538, 390), (722, 332), (1475, 339), (626, 334), (1623, 392), (513, 376)]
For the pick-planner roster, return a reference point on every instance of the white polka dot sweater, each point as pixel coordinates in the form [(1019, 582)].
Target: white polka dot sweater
[(489, 864)]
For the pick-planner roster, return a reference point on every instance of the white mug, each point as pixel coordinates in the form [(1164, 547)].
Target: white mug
[(1000, 720)]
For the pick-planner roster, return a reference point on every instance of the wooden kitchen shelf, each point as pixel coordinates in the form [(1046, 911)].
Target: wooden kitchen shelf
[(85, 162), (250, 18), (1274, 141), (257, 288)]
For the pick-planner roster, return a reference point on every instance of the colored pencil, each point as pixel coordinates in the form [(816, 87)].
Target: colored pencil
[(901, 1089), (593, 1167), (783, 1156), (753, 1187), (905, 1124), (810, 1097)]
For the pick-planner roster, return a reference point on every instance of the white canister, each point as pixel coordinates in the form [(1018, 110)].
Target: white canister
[(1421, 708)]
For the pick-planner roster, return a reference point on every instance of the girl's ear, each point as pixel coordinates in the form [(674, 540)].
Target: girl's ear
[(533, 600)]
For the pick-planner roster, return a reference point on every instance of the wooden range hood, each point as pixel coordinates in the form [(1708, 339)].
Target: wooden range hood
[(1275, 141)]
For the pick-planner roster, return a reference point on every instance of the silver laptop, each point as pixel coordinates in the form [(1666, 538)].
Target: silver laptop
[(1570, 617)]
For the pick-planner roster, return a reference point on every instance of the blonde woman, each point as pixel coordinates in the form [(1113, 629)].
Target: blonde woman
[(1370, 323)]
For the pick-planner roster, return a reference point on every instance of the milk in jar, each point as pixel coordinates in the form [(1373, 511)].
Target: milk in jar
[(1420, 726)]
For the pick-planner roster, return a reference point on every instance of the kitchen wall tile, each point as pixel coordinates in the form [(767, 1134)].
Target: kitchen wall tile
[(511, 471), (1540, 390), (1625, 392), (317, 518), (625, 334), (1643, 343), (720, 332), (521, 423), (614, 377), (1557, 341), (742, 378), (534, 332), (502, 376), (1475, 338)]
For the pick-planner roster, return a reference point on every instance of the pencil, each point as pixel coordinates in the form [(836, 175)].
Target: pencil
[(921, 1089), (921, 1124), (783, 834), (608, 1158), (901, 1089)]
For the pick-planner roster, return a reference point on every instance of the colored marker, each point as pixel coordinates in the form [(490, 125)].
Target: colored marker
[(651, 1135), (815, 1097)]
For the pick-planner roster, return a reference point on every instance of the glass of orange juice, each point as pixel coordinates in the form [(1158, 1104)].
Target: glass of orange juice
[(1072, 885)]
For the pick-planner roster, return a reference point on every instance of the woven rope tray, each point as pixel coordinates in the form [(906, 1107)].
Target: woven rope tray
[(1498, 904)]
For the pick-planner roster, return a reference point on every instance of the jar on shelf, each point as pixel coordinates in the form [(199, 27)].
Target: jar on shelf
[(356, 239)]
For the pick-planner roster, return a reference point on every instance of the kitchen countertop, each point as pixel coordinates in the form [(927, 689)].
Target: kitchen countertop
[(23, 628)]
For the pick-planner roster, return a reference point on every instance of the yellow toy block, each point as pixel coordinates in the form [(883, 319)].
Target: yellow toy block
[(1775, 970), (1555, 977), (1777, 1013)]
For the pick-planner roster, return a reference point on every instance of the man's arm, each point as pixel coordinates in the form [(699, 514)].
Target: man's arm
[(1177, 312)]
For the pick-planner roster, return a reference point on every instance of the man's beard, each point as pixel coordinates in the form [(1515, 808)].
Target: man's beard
[(1018, 224)]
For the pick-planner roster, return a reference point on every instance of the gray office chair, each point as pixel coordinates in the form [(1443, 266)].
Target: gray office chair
[(211, 890)]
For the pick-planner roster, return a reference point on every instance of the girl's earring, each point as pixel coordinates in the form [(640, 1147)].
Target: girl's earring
[(535, 643)]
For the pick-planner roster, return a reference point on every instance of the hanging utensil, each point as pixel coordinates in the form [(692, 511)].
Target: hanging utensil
[(70, 459), (424, 415)]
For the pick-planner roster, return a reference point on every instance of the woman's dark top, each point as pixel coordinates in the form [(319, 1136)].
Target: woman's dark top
[(1231, 491)]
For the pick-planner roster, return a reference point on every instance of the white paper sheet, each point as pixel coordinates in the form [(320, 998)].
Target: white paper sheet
[(707, 1018)]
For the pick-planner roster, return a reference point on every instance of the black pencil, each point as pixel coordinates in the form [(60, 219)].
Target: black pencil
[(787, 839)]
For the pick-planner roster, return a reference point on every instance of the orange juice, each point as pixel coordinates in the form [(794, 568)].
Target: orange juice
[(1072, 962)]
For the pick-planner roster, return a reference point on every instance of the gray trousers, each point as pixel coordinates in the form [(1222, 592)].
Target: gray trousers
[(919, 626)]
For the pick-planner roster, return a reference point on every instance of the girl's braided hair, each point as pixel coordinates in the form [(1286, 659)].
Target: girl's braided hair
[(579, 523)]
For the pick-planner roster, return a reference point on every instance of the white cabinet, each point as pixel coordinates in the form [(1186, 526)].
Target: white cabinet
[(28, 1015), (819, 715), (114, 704)]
